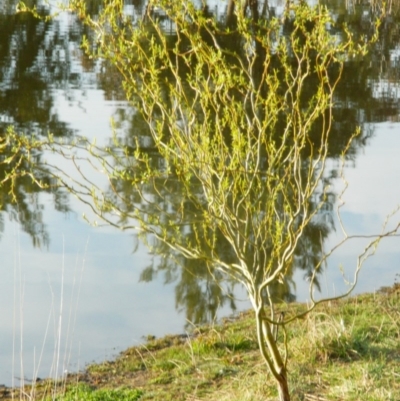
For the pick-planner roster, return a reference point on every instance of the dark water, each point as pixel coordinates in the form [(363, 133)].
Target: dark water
[(71, 293)]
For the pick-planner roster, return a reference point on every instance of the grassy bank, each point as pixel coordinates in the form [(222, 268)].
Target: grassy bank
[(346, 350)]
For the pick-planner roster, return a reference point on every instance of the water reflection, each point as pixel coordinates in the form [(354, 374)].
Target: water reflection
[(29, 66), (41, 62)]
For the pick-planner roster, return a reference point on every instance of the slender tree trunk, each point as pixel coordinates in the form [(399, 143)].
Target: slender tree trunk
[(283, 388), (274, 359)]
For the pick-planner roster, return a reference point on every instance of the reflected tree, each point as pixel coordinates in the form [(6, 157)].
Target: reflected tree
[(19, 195), (29, 61), (27, 65), (35, 61)]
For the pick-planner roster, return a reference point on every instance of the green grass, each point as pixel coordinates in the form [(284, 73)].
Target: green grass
[(346, 350), (83, 392)]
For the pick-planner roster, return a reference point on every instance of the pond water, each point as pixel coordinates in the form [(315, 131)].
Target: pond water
[(71, 293)]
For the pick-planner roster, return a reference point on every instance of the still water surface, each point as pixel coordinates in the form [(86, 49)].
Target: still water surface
[(71, 293)]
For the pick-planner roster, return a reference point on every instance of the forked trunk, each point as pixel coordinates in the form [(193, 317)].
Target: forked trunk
[(283, 388), (270, 352)]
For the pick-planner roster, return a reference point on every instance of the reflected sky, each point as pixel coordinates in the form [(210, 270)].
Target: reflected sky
[(96, 276), (374, 189), (372, 194)]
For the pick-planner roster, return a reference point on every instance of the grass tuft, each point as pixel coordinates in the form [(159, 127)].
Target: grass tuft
[(83, 392)]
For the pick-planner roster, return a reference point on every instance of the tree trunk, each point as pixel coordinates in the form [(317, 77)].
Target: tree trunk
[(270, 352), (283, 388)]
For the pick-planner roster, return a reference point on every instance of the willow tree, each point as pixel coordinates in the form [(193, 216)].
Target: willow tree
[(240, 118)]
